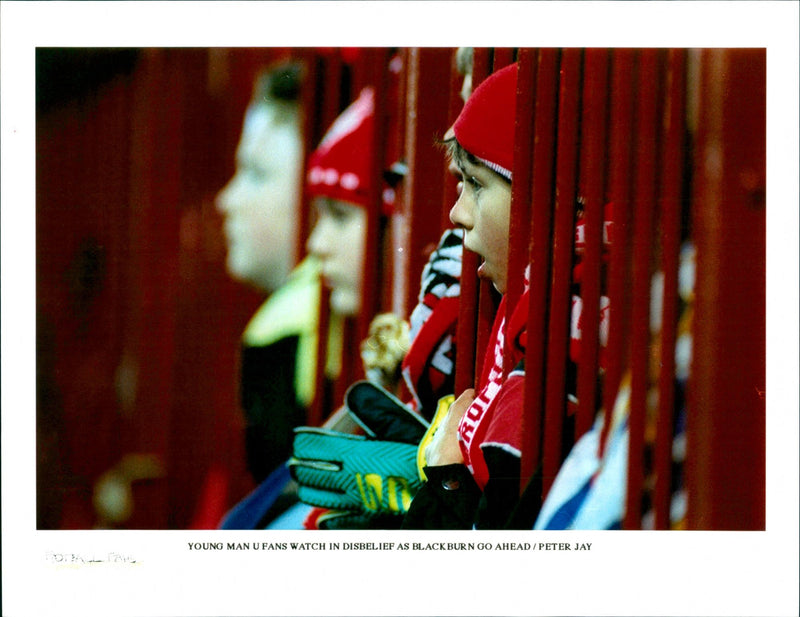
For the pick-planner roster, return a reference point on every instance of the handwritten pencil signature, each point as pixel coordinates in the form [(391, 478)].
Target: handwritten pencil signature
[(87, 559)]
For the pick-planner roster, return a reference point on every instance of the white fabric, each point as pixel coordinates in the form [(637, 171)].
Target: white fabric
[(603, 507)]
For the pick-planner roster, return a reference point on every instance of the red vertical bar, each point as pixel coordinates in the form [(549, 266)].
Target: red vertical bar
[(521, 188), (563, 232), (481, 65), (620, 173), (449, 191), (466, 333), (376, 63), (540, 234), (332, 91), (487, 308), (467, 323), (644, 195), (593, 166), (426, 118), (503, 56), (321, 105), (726, 431), (519, 234), (310, 111), (486, 292), (671, 186)]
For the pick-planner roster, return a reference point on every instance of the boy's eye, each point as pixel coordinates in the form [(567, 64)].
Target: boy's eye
[(471, 181)]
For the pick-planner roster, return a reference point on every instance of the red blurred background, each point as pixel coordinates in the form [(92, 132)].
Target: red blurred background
[(138, 323)]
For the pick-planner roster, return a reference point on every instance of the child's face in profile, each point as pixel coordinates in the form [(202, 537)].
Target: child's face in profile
[(338, 241), (260, 202), (482, 210)]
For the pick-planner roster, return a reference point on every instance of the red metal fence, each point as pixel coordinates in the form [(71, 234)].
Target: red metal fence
[(668, 146), (617, 127), (615, 134)]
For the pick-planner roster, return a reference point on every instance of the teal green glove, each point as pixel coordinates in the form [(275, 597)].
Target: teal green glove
[(350, 472), (373, 474)]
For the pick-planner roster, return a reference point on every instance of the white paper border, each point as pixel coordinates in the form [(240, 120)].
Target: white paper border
[(625, 573)]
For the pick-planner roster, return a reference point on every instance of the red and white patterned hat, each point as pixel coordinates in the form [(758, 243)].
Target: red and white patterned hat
[(341, 167), (485, 126)]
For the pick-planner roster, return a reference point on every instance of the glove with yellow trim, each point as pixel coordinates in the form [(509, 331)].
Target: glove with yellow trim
[(373, 474)]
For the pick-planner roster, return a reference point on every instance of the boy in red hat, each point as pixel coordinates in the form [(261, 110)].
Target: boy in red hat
[(367, 481), (338, 182), (473, 460)]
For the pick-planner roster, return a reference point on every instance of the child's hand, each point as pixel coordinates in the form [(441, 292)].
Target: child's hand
[(444, 448)]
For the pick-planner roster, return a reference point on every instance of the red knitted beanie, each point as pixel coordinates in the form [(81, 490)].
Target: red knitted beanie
[(340, 168), (485, 126)]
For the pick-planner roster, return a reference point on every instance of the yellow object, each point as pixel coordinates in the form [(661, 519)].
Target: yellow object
[(292, 310), (441, 412)]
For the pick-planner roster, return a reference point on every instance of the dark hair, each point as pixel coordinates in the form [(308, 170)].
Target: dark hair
[(281, 84), (458, 153)]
